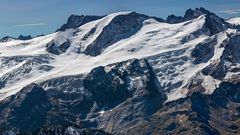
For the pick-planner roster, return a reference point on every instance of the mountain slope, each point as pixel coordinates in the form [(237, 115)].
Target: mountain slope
[(150, 40), (197, 114), (122, 73)]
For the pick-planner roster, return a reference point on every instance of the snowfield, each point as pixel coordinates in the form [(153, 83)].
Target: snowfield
[(235, 21), (25, 62)]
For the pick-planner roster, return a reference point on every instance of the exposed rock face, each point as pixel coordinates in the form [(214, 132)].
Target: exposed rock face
[(174, 19), (189, 15), (57, 130), (204, 51), (25, 110), (134, 103), (122, 26), (228, 61), (75, 21), (214, 114), (6, 39), (127, 105), (125, 97), (192, 14), (71, 101), (129, 87), (21, 37), (232, 50), (58, 49), (213, 24), (216, 69)]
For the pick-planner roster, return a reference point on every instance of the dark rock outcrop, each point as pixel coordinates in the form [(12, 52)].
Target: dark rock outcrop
[(21, 37), (193, 14), (172, 19), (230, 57), (197, 114), (122, 82), (213, 24), (6, 39), (53, 48), (204, 51), (129, 105), (56, 130), (75, 21), (129, 87), (121, 27), (26, 110)]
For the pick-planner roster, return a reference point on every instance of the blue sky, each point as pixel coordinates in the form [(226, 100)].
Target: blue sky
[(37, 17)]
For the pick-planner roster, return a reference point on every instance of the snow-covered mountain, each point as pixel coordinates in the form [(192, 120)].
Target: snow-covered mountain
[(114, 72), (21, 37)]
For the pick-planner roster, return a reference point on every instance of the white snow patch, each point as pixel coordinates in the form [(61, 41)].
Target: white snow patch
[(101, 113), (235, 21)]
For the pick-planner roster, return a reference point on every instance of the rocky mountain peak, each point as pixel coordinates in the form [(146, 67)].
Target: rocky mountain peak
[(75, 21), (174, 19), (213, 24), (192, 14), (6, 39), (22, 37), (189, 15)]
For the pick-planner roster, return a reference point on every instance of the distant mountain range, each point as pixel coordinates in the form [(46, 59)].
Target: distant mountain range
[(124, 73)]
